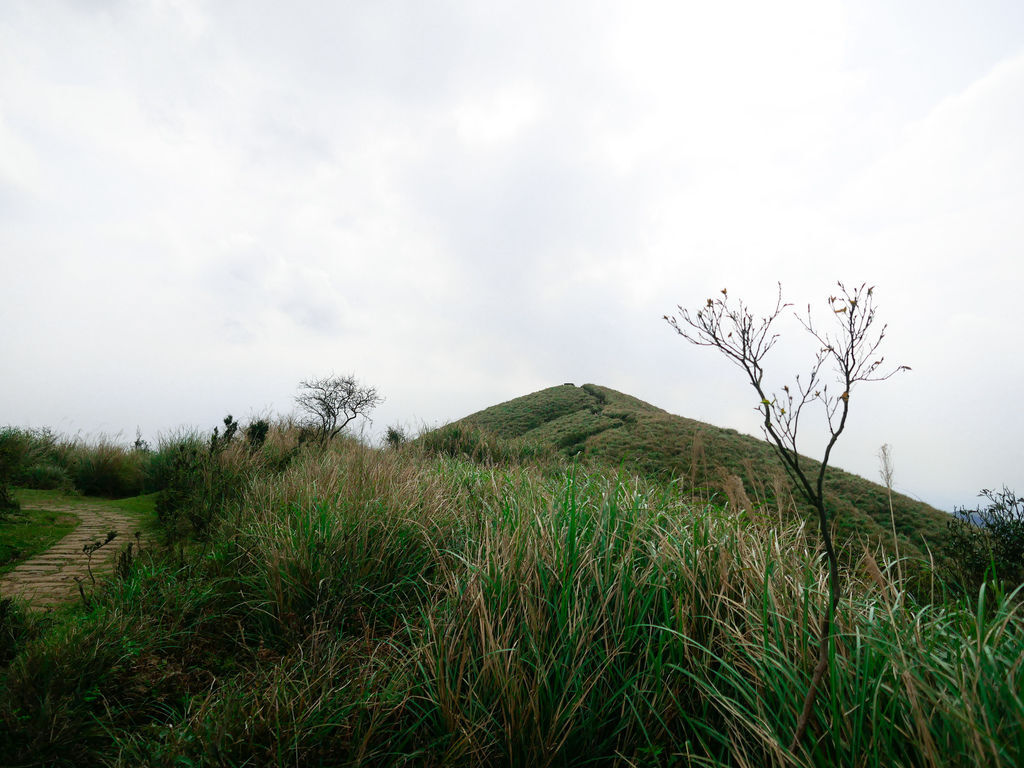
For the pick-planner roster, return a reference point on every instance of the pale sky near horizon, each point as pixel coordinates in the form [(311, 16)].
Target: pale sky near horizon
[(202, 203)]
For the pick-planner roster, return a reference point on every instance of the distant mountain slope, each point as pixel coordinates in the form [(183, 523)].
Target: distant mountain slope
[(603, 425)]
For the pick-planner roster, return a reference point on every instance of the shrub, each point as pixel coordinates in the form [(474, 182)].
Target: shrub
[(986, 544), (256, 433), (396, 436), (183, 467), (219, 441), (199, 481)]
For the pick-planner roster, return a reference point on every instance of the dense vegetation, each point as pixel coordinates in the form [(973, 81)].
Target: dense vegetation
[(479, 598), (41, 459)]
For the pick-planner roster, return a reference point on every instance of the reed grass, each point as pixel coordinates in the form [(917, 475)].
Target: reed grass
[(410, 607)]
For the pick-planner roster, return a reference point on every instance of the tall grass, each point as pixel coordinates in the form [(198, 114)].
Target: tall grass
[(395, 607), (342, 537), (42, 459), (611, 623), (461, 441)]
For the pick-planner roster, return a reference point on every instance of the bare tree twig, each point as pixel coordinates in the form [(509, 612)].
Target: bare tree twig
[(332, 402), (851, 349)]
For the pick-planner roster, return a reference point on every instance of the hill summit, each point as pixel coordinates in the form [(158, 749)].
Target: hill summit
[(602, 425)]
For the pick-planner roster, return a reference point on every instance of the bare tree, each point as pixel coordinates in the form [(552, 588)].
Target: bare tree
[(852, 349), (332, 402)]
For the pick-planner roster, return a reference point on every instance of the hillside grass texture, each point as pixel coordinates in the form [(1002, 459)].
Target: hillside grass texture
[(346, 605), (602, 427)]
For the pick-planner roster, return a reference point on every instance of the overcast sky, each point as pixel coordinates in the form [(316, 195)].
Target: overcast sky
[(461, 202)]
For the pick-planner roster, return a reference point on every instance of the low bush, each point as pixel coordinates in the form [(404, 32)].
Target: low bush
[(986, 544), (199, 480), (395, 436), (183, 506), (256, 433)]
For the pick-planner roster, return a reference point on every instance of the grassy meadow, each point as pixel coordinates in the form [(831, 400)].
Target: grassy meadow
[(485, 597)]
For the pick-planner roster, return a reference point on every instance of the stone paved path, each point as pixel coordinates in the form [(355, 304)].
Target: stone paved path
[(49, 578)]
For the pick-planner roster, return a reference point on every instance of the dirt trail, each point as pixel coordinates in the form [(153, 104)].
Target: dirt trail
[(49, 578)]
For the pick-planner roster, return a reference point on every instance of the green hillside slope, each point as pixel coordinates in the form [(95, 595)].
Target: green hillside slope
[(599, 424)]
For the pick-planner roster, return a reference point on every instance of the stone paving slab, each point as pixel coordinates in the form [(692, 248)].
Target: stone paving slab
[(50, 577)]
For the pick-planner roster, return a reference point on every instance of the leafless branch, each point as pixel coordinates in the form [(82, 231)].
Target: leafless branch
[(332, 402), (852, 350)]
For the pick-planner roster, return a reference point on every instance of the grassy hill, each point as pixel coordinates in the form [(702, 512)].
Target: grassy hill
[(601, 425), (468, 600)]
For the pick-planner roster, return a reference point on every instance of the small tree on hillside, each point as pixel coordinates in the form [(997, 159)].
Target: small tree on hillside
[(332, 402), (852, 349)]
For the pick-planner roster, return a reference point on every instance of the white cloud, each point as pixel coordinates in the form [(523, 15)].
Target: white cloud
[(463, 202), (498, 117)]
